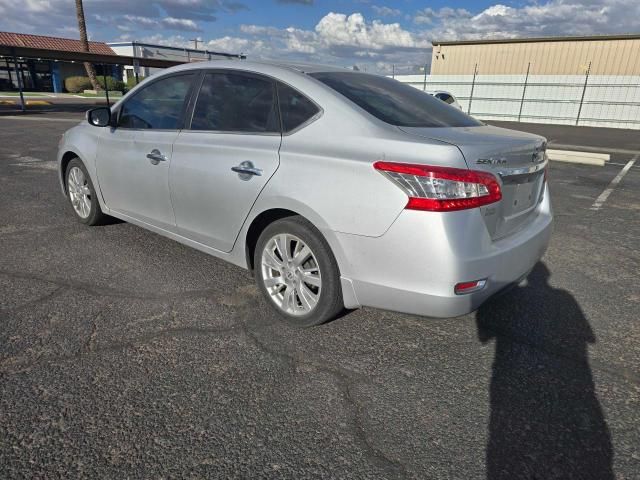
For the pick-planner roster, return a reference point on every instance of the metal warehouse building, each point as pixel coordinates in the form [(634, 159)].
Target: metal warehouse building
[(590, 81), (608, 55)]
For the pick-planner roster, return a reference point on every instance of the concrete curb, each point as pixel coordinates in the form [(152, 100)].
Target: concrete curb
[(585, 158)]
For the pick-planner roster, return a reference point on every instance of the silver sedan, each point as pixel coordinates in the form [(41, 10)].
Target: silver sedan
[(337, 189)]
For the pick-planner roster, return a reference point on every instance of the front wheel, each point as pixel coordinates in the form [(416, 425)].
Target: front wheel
[(297, 272), (82, 194)]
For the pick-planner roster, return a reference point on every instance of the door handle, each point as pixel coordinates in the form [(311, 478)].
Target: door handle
[(155, 157), (246, 170)]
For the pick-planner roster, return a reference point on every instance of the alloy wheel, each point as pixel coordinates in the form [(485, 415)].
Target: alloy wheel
[(79, 192), (291, 274)]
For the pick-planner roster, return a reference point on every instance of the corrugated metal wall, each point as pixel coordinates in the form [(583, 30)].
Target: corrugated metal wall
[(571, 57), (597, 101)]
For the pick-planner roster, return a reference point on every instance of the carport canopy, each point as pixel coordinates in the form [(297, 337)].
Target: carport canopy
[(16, 51)]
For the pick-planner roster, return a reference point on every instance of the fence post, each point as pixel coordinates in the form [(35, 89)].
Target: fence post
[(524, 91), (584, 90), (473, 84), (424, 82)]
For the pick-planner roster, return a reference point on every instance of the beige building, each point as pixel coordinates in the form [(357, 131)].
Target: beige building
[(607, 55)]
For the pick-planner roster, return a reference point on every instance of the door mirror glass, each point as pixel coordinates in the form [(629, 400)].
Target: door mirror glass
[(99, 117)]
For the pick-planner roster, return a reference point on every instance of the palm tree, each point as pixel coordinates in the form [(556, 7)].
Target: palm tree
[(82, 26)]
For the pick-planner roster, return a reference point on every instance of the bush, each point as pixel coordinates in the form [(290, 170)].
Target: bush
[(77, 84), (131, 81), (112, 84)]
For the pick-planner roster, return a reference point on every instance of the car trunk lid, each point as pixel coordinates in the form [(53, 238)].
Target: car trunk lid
[(518, 159)]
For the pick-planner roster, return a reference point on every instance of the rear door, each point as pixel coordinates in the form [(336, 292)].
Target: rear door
[(518, 159), (133, 159), (225, 156)]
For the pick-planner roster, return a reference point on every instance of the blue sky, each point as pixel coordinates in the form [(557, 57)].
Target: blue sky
[(373, 34)]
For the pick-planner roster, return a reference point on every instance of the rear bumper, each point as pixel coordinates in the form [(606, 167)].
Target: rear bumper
[(415, 265)]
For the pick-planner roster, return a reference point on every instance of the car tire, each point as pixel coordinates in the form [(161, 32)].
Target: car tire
[(82, 194), (302, 284)]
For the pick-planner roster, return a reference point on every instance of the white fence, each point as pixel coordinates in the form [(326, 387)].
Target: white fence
[(595, 100)]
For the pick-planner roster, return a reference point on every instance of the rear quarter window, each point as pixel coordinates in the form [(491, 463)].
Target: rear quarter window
[(295, 108)]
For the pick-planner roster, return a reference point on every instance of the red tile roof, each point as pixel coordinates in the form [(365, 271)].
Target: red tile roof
[(51, 43)]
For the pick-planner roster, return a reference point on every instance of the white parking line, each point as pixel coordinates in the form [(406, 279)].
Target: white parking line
[(607, 191)]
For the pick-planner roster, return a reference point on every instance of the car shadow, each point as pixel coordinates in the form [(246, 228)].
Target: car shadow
[(545, 420)]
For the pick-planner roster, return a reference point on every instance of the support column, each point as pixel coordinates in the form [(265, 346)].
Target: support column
[(23, 105), (56, 78)]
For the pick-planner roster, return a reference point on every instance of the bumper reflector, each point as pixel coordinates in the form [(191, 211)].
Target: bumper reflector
[(469, 287)]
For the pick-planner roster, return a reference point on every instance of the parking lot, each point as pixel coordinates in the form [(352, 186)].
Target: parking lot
[(126, 355)]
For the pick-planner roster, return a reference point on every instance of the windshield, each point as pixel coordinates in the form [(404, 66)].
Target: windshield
[(395, 102)]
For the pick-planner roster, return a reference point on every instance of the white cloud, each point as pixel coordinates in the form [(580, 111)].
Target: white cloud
[(340, 39), (180, 24), (144, 21), (260, 30), (337, 29), (302, 41), (385, 11), (553, 17), (229, 45), (38, 6)]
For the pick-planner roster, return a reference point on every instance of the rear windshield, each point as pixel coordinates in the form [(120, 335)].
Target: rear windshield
[(395, 102)]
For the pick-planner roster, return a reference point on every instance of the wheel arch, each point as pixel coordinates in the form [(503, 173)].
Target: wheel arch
[(269, 215), (257, 226), (64, 163)]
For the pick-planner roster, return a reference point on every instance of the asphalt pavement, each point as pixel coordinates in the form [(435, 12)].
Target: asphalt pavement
[(126, 355), (570, 137)]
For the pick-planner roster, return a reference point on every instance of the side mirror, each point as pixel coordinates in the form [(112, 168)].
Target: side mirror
[(99, 117)]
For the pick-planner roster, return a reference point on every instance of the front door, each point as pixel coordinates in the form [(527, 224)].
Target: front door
[(134, 158), (223, 161)]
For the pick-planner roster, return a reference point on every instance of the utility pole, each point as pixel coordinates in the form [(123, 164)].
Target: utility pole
[(196, 41)]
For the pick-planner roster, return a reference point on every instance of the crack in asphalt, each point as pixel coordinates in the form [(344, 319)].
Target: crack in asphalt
[(36, 301), (139, 341), (105, 291), (345, 381)]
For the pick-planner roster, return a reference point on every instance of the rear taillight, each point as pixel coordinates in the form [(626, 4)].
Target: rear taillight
[(441, 189)]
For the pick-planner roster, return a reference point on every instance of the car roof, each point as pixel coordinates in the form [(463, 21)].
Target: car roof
[(311, 67), (248, 64)]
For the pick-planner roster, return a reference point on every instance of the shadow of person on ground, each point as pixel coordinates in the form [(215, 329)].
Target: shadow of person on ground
[(545, 420)]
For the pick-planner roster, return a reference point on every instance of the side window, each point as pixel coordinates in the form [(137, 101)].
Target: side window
[(233, 102), (295, 108), (157, 106)]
